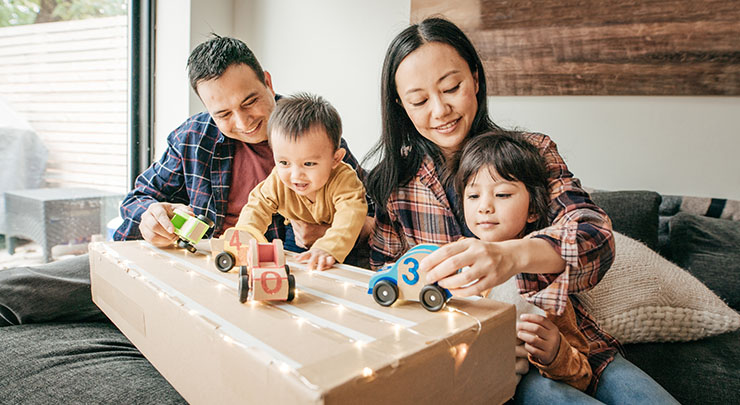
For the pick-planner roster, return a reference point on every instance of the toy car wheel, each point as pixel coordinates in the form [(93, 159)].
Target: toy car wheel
[(287, 270), (182, 244), (432, 298), (191, 248), (207, 220), (224, 261), (385, 293), (243, 284), (291, 286)]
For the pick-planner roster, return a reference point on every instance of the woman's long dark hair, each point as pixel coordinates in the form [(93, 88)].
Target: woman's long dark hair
[(401, 148)]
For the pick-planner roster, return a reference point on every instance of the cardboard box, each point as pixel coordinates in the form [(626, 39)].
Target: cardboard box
[(332, 344)]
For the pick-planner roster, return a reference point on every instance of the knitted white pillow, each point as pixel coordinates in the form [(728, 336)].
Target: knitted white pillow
[(646, 298)]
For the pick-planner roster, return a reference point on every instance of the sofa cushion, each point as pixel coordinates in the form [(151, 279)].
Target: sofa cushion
[(633, 213), (82, 363), (709, 248), (701, 372), (646, 298)]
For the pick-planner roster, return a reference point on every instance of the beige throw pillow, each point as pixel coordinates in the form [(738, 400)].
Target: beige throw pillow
[(646, 298)]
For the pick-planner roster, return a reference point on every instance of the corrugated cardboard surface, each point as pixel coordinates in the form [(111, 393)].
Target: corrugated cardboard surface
[(332, 344)]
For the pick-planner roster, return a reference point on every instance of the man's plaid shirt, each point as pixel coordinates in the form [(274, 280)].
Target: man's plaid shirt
[(196, 171), (419, 212)]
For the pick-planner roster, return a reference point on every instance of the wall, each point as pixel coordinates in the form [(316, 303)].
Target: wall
[(674, 145), (181, 26), (334, 48)]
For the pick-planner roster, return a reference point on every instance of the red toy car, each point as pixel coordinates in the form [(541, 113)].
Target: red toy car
[(263, 274)]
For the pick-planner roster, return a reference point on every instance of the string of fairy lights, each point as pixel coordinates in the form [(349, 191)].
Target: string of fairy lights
[(234, 335)]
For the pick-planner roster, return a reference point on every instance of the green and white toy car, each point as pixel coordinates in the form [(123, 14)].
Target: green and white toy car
[(189, 229)]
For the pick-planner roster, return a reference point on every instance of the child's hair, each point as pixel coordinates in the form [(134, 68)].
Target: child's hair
[(514, 159), (296, 114)]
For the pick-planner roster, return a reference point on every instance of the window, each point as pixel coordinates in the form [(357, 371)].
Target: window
[(64, 68)]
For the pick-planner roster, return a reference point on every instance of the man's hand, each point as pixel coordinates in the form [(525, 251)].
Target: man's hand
[(156, 227), (317, 259), (306, 234), (541, 337)]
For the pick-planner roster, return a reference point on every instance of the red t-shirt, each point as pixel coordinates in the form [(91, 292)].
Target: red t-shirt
[(252, 163)]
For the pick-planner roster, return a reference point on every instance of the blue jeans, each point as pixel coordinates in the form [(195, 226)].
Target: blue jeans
[(621, 383)]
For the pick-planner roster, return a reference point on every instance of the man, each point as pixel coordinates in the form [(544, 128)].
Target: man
[(212, 162), (215, 158)]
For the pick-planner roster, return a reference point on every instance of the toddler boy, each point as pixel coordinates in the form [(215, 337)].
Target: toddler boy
[(310, 182)]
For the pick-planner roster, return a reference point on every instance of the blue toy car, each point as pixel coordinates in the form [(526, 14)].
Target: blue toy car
[(402, 280)]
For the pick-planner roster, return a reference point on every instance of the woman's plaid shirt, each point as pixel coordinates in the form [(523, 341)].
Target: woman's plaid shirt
[(419, 212)]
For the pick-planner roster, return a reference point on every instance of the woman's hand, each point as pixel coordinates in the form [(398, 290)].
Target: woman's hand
[(541, 337), (317, 259), (156, 227), (490, 263), (306, 234)]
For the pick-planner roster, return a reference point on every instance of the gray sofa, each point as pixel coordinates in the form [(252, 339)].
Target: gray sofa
[(74, 360), (701, 235)]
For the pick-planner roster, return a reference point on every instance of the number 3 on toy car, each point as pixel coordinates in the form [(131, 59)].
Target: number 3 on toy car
[(413, 269)]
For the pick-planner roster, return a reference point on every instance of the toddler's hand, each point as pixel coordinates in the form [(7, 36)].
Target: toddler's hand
[(317, 259), (541, 337)]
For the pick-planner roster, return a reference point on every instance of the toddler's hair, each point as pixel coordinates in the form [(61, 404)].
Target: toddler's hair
[(514, 159), (296, 114)]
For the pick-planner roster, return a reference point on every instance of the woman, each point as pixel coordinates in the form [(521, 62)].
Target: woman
[(434, 100)]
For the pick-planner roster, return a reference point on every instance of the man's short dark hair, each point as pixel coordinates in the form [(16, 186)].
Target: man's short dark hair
[(210, 59), (297, 114)]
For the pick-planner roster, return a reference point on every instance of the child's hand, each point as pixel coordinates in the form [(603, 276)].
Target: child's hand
[(521, 364), (317, 259), (541, 337)]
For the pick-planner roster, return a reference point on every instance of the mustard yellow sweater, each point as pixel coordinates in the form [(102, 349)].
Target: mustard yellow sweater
[(340, 203)]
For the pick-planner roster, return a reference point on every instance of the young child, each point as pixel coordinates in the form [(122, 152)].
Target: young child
[(503, 183), (310, 182)]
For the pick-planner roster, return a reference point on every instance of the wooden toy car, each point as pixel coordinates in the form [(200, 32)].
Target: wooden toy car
[(189, 229), (263, 274), (402, 280)]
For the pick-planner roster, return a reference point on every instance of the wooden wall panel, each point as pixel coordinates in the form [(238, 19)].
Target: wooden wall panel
[(601, 47)]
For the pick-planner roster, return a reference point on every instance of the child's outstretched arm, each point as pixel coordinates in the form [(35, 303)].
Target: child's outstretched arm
[(256, 215), (550, 351)]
